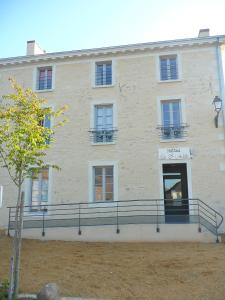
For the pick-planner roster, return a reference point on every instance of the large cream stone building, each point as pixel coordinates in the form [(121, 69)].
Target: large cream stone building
[(141, 127)]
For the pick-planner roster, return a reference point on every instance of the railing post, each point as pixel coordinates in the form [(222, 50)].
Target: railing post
[(157, 217), (43, 222), (9, 222), (79, 230), (199, 221), (117, 218), (217, 237)]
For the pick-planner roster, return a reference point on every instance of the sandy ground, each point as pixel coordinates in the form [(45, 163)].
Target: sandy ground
[(168, 271)]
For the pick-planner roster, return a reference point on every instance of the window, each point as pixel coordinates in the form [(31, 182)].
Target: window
[(46, 122), (1, 195), (39, 188), (44, 78), (103, 183), (103, 132), (171, 119), (103, 73), (168, 67)]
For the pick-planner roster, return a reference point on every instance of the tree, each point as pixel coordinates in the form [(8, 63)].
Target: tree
[(24, 142)]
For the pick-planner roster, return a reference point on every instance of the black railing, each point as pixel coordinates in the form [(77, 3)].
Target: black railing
[(173, 131), (118, 213), (104, 135)]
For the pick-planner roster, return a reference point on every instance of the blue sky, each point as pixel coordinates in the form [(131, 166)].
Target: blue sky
[(60, 25)]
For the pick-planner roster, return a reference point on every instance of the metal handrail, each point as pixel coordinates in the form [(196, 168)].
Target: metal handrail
[(147, 208)]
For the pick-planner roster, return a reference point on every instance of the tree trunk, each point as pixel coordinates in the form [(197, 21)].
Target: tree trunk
[(19, 243), (15, 259)]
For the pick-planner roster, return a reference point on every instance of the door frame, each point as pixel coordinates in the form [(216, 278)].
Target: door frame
[(189, 177)]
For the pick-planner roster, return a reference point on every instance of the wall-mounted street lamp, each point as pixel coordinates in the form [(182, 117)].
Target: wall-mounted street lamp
[(217, 102)]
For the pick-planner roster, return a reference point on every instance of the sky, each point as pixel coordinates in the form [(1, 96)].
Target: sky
[(62, 25)]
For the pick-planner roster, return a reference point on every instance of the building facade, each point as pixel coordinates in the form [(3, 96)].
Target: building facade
[(141, 128)]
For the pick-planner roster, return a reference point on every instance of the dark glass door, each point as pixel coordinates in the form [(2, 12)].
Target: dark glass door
[(175, 192)]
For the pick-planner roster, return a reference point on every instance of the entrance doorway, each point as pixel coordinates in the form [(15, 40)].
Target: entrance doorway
[(175, 187)]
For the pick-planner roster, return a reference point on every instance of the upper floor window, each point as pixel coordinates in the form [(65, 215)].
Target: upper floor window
[(103, 130), (103, 73), (44, 78), (103, 183), (172, 126), (168, 67), (46, 122)]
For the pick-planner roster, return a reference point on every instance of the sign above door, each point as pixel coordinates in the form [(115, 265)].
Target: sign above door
[(175, 153)]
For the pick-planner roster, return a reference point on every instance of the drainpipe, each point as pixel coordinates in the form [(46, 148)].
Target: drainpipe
[(221, 78)]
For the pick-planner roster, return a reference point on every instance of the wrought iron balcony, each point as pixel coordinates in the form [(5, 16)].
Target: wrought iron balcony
[(173, 131), (104, 135)]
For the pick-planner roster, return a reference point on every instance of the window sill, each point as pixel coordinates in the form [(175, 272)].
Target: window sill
[(44, 91), (103, 144), (168, 81), (102, 204), (172, 140), (103, 86)]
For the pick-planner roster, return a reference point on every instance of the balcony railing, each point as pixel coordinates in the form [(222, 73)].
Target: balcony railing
[(104, 135), (173, 131)]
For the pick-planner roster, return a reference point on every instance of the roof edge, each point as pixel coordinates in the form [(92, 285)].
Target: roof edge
[(114, 49)]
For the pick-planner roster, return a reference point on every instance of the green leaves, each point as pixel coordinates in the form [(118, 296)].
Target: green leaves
[(24, 139)]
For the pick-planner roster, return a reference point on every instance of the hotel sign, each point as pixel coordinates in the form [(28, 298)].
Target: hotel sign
[(175, 153)]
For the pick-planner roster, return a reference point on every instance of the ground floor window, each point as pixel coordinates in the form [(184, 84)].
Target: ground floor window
[(39, 189), (1, 195), (103, 183)]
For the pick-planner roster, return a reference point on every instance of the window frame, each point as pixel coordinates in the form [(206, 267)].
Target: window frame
[(103, 174), (93, 72), (183, 120), (1, 196), (158, 67), (36, 75), (114, 118), (27, 192), (91, 180)]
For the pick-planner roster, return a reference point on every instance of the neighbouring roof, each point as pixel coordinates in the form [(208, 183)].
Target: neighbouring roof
[(220, 39)]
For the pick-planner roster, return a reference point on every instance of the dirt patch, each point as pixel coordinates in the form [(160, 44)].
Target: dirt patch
[(157, 271)]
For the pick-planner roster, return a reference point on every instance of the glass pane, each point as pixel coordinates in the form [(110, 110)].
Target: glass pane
[(98, 171), (98, 193), (172, 188), (109, 197), (98, 180), (109, 188), (166, 113), (176, 113), (47, 122), (109, 171), (109, 179), (99, 111)]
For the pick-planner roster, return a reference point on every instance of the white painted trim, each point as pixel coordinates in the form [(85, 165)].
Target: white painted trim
[(219, 59), (211, 40), (1, 196), (189, 175), (102, 163), (93, 66), (172, 140), (35, 74), (179, 66), (119, 57), (170, 98)]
